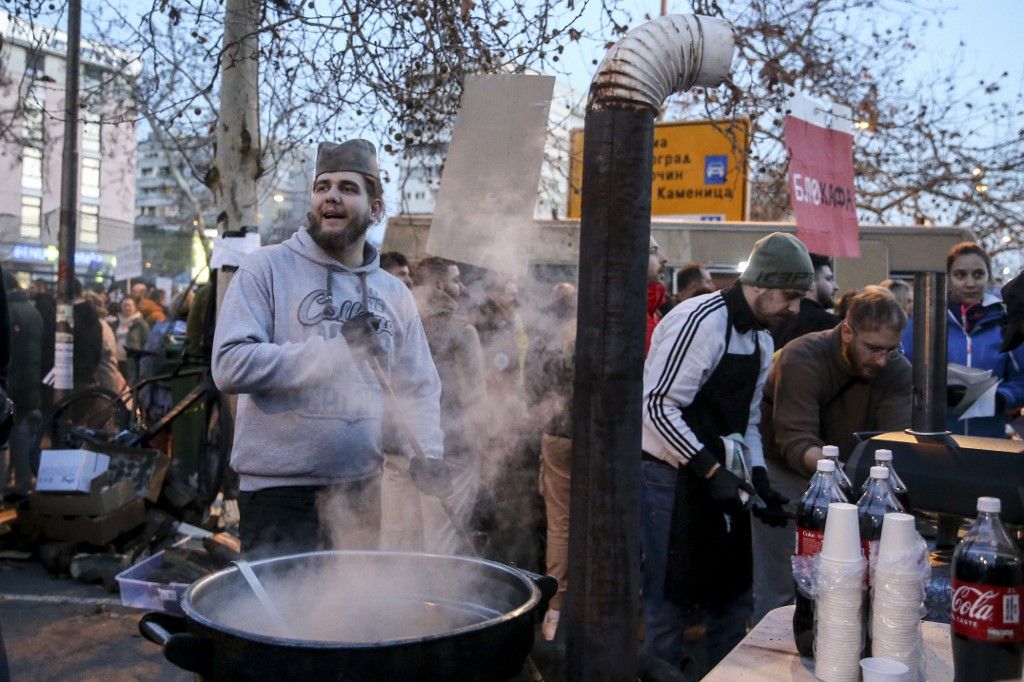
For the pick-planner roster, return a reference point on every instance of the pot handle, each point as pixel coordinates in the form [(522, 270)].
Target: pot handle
[(158, 627), (183, 649), (547, 585)]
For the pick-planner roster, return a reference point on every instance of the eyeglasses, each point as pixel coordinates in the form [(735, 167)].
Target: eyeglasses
[(889, 353)]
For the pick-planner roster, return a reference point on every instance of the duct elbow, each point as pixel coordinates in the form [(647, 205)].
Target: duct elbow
[(666, 55)]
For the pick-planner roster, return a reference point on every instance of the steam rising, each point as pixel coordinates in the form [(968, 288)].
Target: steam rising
[(353, 597)]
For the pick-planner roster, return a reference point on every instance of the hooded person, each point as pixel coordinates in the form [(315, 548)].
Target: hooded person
[(312, 336), (703, 469)]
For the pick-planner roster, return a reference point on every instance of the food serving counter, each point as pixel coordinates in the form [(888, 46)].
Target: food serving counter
[(768, 653)]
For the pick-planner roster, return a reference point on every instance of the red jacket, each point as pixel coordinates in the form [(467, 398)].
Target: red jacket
[(656, 296)]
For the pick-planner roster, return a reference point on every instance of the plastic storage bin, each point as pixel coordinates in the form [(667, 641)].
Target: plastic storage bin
[(140, 593)]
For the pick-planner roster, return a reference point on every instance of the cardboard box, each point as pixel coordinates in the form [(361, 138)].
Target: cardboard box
[(144, 467), (69, 470), (96, 530), (103, 498)]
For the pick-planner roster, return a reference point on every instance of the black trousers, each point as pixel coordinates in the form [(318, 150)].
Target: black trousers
[(295, 519)]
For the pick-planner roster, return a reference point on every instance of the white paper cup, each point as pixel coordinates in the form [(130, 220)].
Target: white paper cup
[(899, 537), (883, 670), (842, 533)]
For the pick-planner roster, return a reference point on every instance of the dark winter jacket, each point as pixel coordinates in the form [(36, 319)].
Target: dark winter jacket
[(811, 318), (549, 376), (88, 344), (24, 380)]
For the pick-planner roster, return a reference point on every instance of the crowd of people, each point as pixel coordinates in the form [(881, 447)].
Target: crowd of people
[(424, 406), (108, 324)]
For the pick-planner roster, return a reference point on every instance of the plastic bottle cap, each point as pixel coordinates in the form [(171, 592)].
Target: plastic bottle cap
[(990, 505), (879, 472), (830, 451), (883, 455), (826, 465)]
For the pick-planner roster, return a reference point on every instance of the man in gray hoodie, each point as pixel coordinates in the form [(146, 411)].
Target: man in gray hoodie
[(303, 331)]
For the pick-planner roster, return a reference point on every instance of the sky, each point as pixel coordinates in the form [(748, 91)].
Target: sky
[(988, 28)]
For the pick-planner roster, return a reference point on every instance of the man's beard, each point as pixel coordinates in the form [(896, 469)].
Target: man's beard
[(864, 369), (771, 321), (823, 300), (338, 242)]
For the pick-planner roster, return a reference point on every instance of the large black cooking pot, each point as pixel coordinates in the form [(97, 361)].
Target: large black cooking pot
[(357, 616)]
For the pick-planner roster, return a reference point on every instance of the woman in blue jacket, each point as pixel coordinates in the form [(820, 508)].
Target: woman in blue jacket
[(974, 327)]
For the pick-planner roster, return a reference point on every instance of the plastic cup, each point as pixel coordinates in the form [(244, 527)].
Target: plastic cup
[(842, 533), (877, 669), (899, 537)]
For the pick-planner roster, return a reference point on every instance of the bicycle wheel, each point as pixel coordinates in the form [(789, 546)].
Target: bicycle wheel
[(215, 450), (96, 412)]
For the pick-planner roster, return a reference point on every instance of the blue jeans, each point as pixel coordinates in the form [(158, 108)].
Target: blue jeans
[(664, 622)]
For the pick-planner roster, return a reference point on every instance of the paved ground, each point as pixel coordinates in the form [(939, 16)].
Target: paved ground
[(60, 629)]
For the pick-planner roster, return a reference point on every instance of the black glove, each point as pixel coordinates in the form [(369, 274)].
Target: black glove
[(360, 333), (954, 394), (431, 476), (772, 513), (723, 485)]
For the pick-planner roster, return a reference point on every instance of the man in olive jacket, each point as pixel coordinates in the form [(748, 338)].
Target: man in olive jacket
[(823, 388)]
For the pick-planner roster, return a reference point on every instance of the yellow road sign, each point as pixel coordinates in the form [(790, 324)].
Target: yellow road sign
[(700, 170)]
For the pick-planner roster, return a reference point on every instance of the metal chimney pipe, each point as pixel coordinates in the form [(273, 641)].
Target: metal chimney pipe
[(663, 56), (928, 417)]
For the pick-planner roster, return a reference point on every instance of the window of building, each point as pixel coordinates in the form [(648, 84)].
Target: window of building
[(32, 169), (35, 64), (91, 133), (89, 224), (92, 82), (34, 114), (90, 178), (31, 217), (146, 172)]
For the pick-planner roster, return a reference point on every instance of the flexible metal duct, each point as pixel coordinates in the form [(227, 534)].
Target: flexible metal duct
[(646, 66), (667, 55)]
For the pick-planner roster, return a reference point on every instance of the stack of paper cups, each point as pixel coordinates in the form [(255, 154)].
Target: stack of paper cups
[(838, 629), (897, 593)]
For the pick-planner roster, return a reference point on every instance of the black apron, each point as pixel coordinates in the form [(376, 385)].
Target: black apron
[(710, 561)]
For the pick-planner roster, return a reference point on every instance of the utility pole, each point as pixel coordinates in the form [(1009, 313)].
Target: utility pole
[(64, 341)]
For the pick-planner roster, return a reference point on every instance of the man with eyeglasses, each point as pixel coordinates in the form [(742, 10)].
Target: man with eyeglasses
[(823, 388)]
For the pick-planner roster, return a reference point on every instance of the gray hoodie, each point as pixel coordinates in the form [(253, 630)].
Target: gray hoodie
[(309, 410)]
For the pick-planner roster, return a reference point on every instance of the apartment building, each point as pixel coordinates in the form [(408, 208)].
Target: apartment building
[(162, 205), (32, 72)]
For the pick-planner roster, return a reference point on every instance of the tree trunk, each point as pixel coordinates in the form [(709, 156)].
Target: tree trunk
[(236, 165)]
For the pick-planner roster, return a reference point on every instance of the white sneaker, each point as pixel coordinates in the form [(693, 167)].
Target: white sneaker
[(550, 624)]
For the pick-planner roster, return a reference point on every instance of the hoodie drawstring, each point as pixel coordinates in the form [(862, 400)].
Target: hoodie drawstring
[(330, 311)]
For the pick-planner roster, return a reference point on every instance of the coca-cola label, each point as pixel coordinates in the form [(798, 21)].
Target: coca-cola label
[(808, 542), (989, 613)]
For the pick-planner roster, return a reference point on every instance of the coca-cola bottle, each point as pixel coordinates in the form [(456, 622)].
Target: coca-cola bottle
[(877, 501), (811, 513), (883, 458), (988, 581), (832, 452)]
